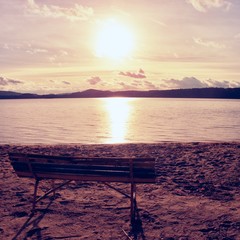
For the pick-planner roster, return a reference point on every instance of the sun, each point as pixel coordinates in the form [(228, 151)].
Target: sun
[(114, 40)]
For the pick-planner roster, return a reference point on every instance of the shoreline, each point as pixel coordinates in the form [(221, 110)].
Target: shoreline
[(123, 143), (197, 195)]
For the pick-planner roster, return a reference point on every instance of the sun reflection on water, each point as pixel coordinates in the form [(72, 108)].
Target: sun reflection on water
[(119, 111)]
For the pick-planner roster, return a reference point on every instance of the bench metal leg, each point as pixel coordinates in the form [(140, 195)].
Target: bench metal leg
[(117, 190), (52, 190), (53, 187), (133, 203), (35, 195)]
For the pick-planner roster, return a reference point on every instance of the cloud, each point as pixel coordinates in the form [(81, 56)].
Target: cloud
[(204, 5), (138, 85), (3, 82), (192, 82), (94, 80), (75, 13), (6, 81), (140, 74), (210, 44), (187, 82)]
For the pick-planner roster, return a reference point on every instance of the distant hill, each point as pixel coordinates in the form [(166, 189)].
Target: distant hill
[(222, 93), (8, 93)]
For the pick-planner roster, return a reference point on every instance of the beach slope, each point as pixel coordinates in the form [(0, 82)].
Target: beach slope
[(196, 196)]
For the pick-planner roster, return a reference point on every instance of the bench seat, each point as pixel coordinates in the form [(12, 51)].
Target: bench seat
[(98, 169)]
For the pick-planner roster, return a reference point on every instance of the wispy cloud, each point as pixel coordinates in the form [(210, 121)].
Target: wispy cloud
[(58, 56), (204, 5), (137, 84), (94, 80), (139, 74), (237, 35), (158, 22), (66, 83), (126, 86), (6, 81), (78, 12), (207, 43), (36, 51), (149, 85), (222, 84), (23, 46)]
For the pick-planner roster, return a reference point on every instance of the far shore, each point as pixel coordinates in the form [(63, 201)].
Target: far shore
[(196, 196), (212, 93)]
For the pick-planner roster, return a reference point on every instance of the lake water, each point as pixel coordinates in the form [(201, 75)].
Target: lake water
[(118, 120)]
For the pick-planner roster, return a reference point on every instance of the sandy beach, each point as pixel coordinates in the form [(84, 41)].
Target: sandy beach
[(196, 196)]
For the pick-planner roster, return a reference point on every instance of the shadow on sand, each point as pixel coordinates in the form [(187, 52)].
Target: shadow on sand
[(32, 229), (32, 223), (137, 231)]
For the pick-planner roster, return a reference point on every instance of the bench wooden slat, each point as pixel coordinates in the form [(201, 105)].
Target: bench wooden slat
[(83, 166), (87, 178), (89, 164), (60, 157), (39, 168), (142, 162)]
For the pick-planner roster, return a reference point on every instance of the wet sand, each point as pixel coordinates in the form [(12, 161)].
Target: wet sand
[(197, 196)]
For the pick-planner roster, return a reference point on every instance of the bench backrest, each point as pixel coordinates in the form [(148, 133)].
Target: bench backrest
[(106, 169)]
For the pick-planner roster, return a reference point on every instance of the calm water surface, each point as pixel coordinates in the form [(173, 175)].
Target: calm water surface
[(118, 120)]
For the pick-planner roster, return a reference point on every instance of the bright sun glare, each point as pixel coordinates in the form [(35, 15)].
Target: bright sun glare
[(114, 40), (119, 114)]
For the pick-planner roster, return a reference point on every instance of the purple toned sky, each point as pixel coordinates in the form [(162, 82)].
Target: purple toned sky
[(65, 46)]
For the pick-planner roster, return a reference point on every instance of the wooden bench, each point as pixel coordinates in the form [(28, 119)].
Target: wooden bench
[(105, 169)]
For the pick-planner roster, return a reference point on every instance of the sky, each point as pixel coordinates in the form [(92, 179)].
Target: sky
[(56, 46)]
